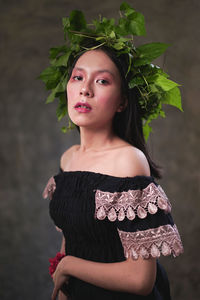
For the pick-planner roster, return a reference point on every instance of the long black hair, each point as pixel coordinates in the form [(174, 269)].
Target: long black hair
[(128, 123)]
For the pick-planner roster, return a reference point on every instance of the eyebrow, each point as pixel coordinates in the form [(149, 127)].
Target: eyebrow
[(99, 71)]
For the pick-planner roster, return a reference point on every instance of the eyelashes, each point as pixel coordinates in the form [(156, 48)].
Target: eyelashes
[(100, 81), (103, 81), (77, 78)]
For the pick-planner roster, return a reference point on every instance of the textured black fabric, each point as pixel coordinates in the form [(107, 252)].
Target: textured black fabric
[(72, 209)]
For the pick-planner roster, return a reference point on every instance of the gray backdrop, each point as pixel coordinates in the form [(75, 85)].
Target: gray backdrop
[(31, 140)]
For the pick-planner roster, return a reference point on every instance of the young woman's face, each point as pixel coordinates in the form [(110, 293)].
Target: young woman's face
[(94, 91)]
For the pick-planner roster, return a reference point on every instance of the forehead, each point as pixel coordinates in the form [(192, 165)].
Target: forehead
[(96, 60)]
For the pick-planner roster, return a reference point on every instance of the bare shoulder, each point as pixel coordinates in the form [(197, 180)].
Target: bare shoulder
[(66, 156), (132, 162)]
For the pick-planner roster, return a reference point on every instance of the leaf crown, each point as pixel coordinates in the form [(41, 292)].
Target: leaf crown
[(152, 83)]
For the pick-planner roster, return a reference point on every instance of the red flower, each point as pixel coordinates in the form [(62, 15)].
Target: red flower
[(54, 262)]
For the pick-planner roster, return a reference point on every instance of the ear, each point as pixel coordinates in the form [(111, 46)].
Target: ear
[(123, 105)]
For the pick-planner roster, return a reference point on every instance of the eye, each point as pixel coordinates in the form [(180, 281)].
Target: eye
[(77, 78), (103, 81)]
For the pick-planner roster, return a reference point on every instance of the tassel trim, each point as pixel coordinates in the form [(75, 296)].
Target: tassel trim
[(153, 242), (131, 203), (49, 188)]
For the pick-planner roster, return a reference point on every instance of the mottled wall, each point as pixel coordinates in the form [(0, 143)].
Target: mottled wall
[(31, 141)]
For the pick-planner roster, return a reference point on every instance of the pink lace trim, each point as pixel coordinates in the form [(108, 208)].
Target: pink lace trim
[(49, 188), (153, 242), (48, 193), (131, 203)]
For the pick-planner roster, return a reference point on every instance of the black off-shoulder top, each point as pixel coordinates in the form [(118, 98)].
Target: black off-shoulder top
[(108, 219)]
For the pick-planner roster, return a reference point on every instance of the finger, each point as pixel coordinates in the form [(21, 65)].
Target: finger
[(58, 229), (54, 294)]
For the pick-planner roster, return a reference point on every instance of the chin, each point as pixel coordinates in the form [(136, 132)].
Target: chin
[(81, 120), (81, 123)]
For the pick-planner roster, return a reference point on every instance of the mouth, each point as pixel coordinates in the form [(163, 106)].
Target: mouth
[(82, 107)]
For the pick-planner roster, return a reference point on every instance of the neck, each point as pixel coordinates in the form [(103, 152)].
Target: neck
[(95, 139)]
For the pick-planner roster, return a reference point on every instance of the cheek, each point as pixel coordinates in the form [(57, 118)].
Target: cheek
[(71, 93), (110, 100), (71, 99)]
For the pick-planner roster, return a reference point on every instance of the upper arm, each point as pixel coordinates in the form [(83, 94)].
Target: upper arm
[(133, 162)]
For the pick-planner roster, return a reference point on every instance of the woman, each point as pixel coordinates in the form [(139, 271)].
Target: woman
[(114, 217)]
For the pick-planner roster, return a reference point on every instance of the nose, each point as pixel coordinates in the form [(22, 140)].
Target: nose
[(86, 91)]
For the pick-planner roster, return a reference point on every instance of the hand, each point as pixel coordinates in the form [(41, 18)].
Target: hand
[(60, 277), (62, 296)]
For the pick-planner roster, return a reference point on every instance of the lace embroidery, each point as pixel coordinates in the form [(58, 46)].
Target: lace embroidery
[(49, 188), (163, 240), (131, 203)]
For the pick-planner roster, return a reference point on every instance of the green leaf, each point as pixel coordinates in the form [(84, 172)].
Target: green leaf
[(66, 26), (126, 9), (112, 35), (75, 47), (123, 40), (162, 113), (105, 27), (146, 130), (108, 22), (51, 97), (60, 88), (49, 73), (65, 23), (62, 60), (153, 88), (157, 80), (136, 25), (164, 83), (148, 52), (61, 110), (100, 38), (50, 76), (137, 80), (53, 53), (97, 25), (64, 129), (173, 97), (121, 27), (118, 46), (150, 71), (69, 127), (132, 23), (77, 20)]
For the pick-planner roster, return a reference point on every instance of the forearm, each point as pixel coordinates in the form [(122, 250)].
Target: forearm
[(132, 277)]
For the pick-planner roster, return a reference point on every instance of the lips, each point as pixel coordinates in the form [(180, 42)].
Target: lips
[(83, 107)]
